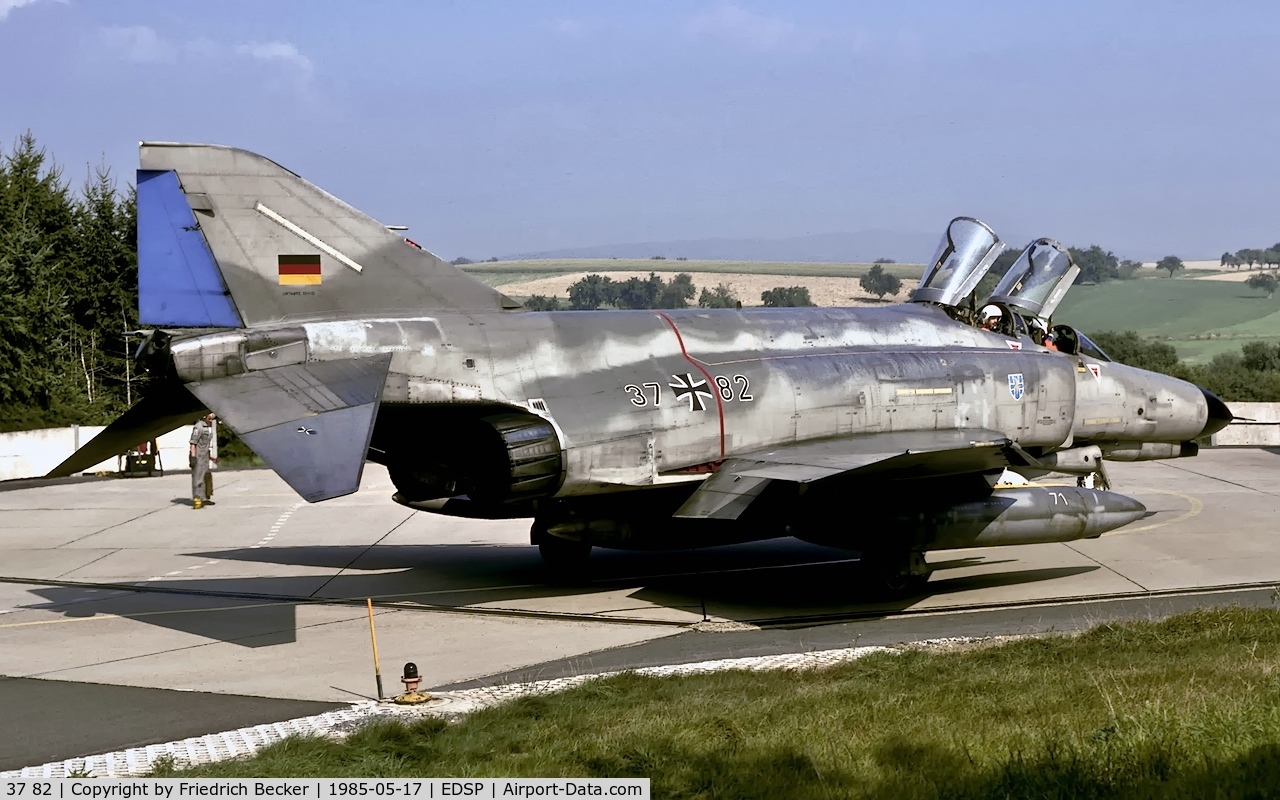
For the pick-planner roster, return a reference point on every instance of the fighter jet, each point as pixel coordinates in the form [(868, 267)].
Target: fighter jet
[(324, 339)]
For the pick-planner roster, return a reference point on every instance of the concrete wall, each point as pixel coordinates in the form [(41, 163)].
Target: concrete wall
[(1262, 431), (31, 454)]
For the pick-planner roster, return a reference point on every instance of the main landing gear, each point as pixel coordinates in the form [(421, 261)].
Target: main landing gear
[(1095, 480), (563, 559), (895, 574)]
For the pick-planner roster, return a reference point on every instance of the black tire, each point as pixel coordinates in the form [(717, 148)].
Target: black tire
[(897, 584), (563, 559), (887, 576)]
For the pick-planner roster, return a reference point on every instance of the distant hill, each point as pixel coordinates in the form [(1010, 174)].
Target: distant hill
[(867, 246), (912, 247)]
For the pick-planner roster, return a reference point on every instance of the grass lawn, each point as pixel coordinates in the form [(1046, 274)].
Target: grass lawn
[(1187, 707), (1202, 351), (1184, 312)]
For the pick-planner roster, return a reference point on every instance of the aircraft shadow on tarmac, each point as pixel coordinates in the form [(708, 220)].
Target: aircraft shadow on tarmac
[(767, 581)]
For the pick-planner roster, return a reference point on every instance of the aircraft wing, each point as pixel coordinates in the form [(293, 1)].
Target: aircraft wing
[(168, 408), (895, 456)]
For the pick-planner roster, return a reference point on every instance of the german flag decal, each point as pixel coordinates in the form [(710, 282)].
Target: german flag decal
[(300, 270)]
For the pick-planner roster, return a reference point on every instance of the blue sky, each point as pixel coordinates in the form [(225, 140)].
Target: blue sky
[(494, 128)]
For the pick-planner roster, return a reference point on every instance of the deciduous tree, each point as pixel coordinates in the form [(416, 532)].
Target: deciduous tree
[(719, 297), (879, 282), (1263, 281), (678, 293), (540, 303), (1171, 263), (592, 292), (1128, 269), (1096, 265), (786, 297)]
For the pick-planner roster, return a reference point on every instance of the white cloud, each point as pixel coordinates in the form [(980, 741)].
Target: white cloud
[(139, 44), (9, 5), (284, 53), (567, 26), (746, 28)]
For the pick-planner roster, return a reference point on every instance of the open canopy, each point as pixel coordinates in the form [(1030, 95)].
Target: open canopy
[(966, 253), (1038, 280)]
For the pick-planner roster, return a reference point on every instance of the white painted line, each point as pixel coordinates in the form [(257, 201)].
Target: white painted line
[(297, 231), (277, 525)]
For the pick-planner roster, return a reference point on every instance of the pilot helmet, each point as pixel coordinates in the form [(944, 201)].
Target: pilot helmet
[(990, 311)]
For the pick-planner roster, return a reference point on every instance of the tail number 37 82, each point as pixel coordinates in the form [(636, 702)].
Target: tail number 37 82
[(730, 388)]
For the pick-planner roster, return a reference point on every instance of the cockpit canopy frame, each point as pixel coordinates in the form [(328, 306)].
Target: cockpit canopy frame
[(1038, 280), (965, 254)]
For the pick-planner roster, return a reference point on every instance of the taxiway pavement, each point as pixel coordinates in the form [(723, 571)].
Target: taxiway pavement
[(262, 595)]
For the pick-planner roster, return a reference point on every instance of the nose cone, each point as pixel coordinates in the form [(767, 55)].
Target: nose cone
[(1219, 415)]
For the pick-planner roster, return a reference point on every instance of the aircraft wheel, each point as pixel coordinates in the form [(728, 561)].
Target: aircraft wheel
[(896, 575), (899, 584), (565, 560)]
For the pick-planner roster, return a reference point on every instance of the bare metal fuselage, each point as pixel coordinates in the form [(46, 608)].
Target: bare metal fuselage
[(644, 399)]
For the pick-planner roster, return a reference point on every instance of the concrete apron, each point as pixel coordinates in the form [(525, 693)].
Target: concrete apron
[(1210, 526)]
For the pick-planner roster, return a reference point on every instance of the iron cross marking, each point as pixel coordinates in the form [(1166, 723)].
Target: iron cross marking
[(695, 391)]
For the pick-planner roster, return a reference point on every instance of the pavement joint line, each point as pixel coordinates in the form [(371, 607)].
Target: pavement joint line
[(109, 527), (361, 554), (91, 563), (1112, 570), (1215, 478), (338, 724)]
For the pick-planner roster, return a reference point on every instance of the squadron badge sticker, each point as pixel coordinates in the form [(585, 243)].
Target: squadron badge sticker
[(1016, 386), (695, 391)]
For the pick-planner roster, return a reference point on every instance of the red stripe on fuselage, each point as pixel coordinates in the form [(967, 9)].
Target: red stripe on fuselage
[(711, 384)]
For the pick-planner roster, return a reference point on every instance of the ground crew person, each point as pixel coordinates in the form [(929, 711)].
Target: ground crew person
[(201, 480)]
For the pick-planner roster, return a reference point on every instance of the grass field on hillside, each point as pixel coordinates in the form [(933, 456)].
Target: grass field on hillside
[(1183, 312), (504, 272), (1187, 707)]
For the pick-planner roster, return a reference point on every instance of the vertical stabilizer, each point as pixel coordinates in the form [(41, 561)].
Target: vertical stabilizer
[(228, 238)]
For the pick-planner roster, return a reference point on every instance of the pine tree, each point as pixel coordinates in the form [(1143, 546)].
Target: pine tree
[(68, 276)]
